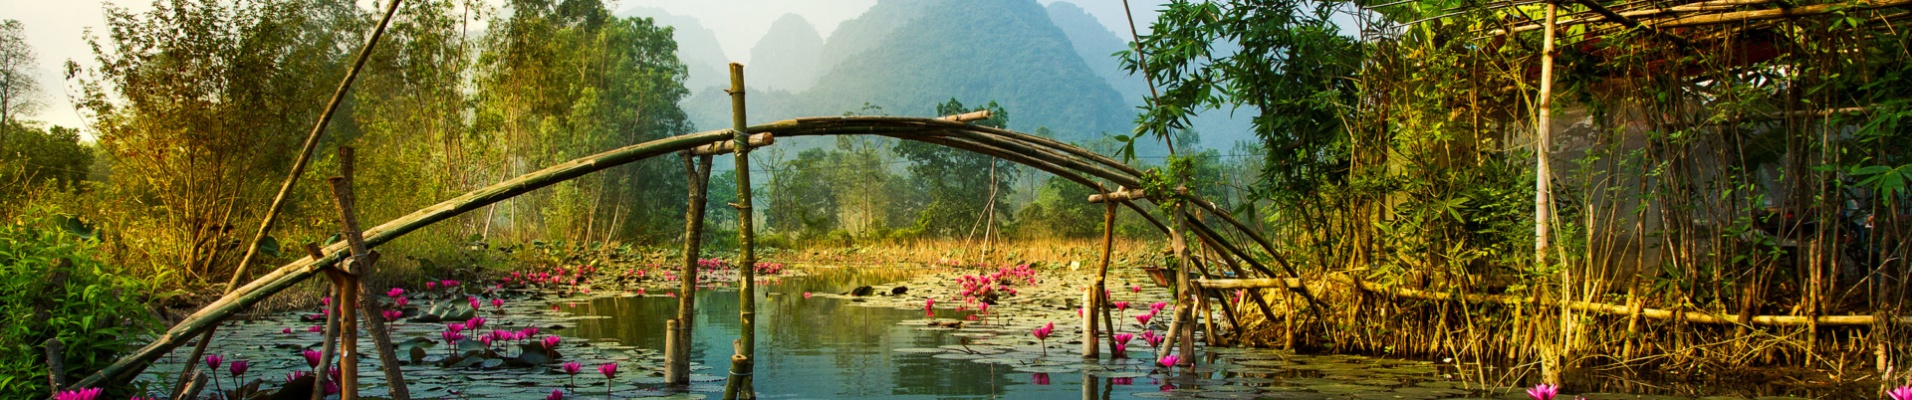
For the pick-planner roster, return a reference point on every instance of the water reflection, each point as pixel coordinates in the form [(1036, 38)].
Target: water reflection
[(833, 348)]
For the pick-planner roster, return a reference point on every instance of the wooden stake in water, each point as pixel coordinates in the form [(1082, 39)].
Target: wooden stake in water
[(677, 339), (741, 364)]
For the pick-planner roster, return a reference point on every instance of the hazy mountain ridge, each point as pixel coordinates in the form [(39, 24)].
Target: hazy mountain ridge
[(787, 56), (697, 47)]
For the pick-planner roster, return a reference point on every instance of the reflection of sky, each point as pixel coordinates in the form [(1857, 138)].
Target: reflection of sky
[(825, 348)]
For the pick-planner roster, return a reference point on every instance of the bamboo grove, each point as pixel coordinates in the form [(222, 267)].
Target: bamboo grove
[(1736, 168)]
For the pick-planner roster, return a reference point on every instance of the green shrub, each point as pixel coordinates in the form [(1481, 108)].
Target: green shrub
[(51, 285)]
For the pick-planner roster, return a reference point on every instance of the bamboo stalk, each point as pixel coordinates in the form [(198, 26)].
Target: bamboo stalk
[(1581, 306), (1102, 274), (741, 365), (1543, 195), (1089, 310)]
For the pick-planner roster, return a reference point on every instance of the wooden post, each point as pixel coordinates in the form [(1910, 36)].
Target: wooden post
[(1543, 202), (1090, 308), (678, 339), (55, 365), (361, 265), (1097, 293), (739, 386), (195, 382), (1183, 289)]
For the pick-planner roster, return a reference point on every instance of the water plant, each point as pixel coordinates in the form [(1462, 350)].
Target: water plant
[(212, 364), (1042, 334), (610, 373), (81, 394), (1543, 391), (1902, 393), (1169, 361), (238, 369), (572, 368), (555, 395), (311, 357)]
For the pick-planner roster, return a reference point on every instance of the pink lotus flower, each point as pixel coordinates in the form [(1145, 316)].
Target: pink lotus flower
[(806, 295), (395, 292), (392, 315), (402, 301), (1121, 349), (1157, 307), (213, 360), (1902, 393), (295, 375), (1040, 378), (1122, 305), (572, 368), (455, 327), (609, 371), (498, 304), (287, 330), (1136, 288), (1144, 319), (1543, 391), (551, 342), (311, 357), (1169, 360), (1123, 337), (431, 285), (82, 394), (315, 329), (473, 300), (475, 322), (239, 367), (447, 283), (556, 394)]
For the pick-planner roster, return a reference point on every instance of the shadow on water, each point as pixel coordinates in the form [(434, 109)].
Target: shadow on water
[(825, 347)]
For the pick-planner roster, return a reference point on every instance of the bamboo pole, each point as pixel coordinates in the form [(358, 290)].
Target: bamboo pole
[(1095, 305), (1089, 311), (363, 264), (1543, 199), (1581, 306), (292, 177), (742, 364), (677, 368)]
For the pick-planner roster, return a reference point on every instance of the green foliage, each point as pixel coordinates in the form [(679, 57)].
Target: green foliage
[(198, 106), (34, 160), (959, 186), (53, 286)]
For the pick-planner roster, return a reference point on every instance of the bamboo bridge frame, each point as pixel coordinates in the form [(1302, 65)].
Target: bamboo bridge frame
[(1112, 180)]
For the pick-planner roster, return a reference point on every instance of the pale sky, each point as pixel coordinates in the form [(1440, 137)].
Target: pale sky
[(55, 29)]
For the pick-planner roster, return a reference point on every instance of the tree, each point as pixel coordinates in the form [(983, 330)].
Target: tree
[(17, 85), (559, 80), (961, 188), (194, 101)]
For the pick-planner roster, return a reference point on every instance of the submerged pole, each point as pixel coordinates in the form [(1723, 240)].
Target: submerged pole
[(677, 338), (741, 363)]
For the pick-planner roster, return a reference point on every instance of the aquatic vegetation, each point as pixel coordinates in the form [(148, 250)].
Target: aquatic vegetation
[(1040, 378), (81, 394), (555, 395), (610, 373), (1168, 361), (1543, 391), (1902, 393), (311, 357), (238, 369), (572, 368), (1042, 334)]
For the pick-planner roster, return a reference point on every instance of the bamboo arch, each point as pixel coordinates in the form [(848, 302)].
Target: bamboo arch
[(1070, 162)]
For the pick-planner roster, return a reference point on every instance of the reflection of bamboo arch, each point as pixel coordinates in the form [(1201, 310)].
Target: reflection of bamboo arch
[(1067, 161)]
